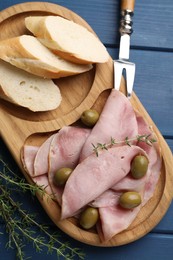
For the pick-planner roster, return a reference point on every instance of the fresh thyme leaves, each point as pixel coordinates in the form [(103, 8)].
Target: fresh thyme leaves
[(99, 147), (128, 141), (146, 139), (21, 226)]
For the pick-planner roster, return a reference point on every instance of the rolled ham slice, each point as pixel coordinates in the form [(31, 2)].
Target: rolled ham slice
[(153, 153), (108, 198), (111, 197), (29, 154), (129, 183), (42, 181), (41, 159), (115, 219), (28, 157), (94, 175), (65, 149), (117, 120)]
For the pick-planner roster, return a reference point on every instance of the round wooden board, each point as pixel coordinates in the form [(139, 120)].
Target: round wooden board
[(79, 93)]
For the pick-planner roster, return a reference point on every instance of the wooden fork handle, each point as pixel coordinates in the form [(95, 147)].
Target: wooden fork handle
[(127, 5)]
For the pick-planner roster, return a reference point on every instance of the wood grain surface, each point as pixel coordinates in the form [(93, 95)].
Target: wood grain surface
[(79, 93)]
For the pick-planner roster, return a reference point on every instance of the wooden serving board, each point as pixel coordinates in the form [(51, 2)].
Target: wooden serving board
[(19, 126)]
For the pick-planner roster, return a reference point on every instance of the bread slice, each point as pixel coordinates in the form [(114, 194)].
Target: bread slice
[(27, 53), (69, 40), (26, 90)]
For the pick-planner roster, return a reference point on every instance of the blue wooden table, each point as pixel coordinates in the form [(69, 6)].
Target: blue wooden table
[(152, 51)]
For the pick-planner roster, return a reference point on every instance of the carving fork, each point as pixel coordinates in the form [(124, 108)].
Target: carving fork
[(123, 63)]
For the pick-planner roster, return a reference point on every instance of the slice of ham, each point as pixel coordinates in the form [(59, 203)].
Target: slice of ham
[(153, 152), (108, 198), (94, 175), (117, 120), (65, 149), (42, 181), (152, 180), (115, 219), (129, 183), (66, 146), (41, 159), (29, 154), (28, 157)]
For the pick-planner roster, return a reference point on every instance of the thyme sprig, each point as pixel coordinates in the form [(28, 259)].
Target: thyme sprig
[(146, 138), (21, 226)]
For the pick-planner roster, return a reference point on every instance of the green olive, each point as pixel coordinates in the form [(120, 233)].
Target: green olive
[(90, 117), (61, 176), (139, 166), (89, 217), (130, 200)]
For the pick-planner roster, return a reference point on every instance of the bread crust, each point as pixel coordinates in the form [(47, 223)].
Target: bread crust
[(38, 26), (12, 51)]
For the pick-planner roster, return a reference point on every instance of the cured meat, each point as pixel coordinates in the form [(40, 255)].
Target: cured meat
[(117, 120), (41, 158), (108, 198), (66, 146), (116, 219), (111, 196), (29, 154), (42, 181), (129, 183), (28, 157), (153, 153), (98, 180), (64, 151), (94, 175)]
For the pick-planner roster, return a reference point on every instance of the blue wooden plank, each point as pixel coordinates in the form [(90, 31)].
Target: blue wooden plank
[(151, 27), (156, 247)]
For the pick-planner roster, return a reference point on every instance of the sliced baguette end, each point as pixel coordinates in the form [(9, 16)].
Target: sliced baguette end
[(26, 90)]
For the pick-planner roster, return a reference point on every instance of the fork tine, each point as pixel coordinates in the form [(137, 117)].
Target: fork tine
[(118, 68), (130, 76)]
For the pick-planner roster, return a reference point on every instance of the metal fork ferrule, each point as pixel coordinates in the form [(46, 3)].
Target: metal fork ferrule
[(126, 22)]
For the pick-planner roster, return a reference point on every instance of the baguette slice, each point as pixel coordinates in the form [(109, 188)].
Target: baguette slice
[(27, 53), (69, 40), (26, 90)]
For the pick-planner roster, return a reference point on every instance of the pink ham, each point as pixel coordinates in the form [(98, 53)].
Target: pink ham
[(115, 219), (108, 198), (152, 180), (41, 158), (29, 154), (153, 153), (66, 146), (28, 157), (129, 183), (117, 120), (94, 175), (64, 151), (42, 181), (111, 196)]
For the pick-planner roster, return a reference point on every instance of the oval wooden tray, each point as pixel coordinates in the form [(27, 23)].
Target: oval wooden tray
[(79, 93)]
